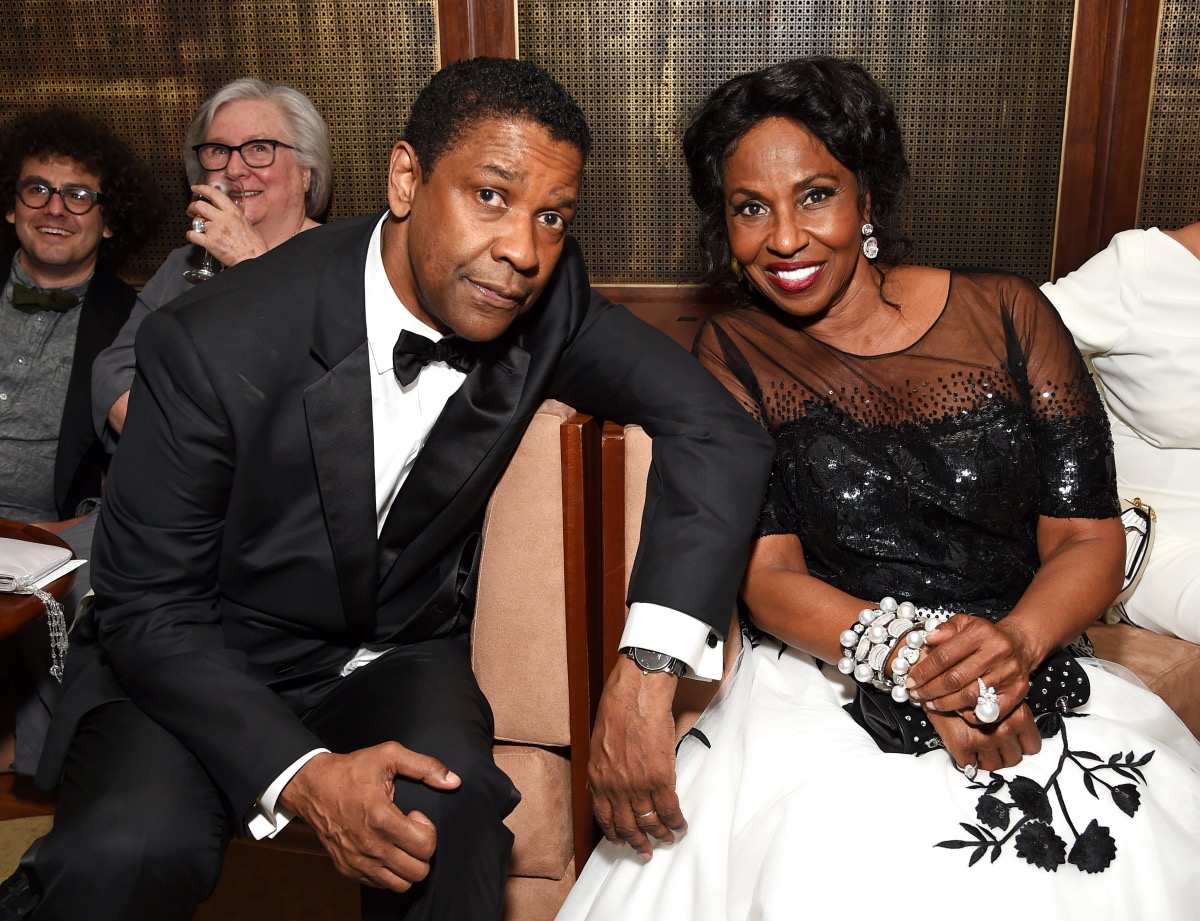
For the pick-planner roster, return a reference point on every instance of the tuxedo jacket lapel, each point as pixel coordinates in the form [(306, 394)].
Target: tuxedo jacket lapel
[(338, 409), (473, 420)]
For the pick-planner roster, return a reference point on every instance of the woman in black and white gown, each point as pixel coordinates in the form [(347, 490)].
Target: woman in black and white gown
[(905, 735)]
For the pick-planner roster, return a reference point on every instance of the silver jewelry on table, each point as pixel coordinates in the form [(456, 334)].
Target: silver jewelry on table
[(987, 708), (644, 815), (198, 224), (56, 620)]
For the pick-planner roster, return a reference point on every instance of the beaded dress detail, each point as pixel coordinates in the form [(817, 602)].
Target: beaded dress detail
[(919, 474)]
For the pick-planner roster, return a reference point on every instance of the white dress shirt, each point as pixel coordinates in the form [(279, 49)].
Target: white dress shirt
[(401, 419)]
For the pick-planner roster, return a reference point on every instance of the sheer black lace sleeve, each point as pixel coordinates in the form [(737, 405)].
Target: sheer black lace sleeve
[(718, 352), (1070, 429)]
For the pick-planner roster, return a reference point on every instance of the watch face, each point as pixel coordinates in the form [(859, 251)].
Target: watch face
[(651, 661)]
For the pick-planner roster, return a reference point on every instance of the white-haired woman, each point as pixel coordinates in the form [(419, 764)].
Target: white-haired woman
[(267, 144)]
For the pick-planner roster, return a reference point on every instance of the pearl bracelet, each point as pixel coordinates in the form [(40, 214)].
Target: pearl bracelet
[(867, 646)]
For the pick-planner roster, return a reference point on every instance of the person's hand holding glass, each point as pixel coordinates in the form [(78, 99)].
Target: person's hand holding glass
[(217, 194), (218, 223)]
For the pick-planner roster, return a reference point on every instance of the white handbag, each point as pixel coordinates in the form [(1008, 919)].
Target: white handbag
[(1138, 518), (24, 563)]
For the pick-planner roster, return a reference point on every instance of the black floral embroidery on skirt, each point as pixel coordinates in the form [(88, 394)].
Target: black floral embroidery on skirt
[(1026, 817)]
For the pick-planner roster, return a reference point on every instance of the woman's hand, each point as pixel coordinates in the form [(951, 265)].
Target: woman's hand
[(227, 234), (992, 747), (963, 650)]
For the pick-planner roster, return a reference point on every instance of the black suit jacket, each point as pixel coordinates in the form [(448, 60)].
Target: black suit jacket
[(81, 458), (236, 563)]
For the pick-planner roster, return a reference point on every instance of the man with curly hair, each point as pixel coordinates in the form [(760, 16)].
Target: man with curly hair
[(76, 202)]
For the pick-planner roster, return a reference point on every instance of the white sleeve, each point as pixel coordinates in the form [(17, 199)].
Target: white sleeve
[(679, 635), (266, 819), (1098, 300)]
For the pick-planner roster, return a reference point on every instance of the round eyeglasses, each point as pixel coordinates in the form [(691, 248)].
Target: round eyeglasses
[(75, 198), (257, 153)]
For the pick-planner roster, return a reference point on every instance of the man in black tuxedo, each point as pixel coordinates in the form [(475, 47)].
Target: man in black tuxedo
[(75, 203), (286, 559)]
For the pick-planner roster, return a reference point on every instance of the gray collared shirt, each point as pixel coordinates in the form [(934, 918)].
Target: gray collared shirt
[(36, 351)]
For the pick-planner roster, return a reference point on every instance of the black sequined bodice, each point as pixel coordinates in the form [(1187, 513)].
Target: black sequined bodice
[(921, 474)]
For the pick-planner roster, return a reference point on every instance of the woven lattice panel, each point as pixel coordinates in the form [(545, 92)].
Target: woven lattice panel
[(980, 86), (146, 66), (1171, 180)]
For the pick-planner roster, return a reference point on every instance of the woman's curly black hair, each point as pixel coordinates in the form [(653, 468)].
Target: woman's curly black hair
[(130, 205), (838, 103)]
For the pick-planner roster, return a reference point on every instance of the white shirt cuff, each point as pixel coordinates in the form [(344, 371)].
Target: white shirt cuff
[(266, 818), (679, 635)]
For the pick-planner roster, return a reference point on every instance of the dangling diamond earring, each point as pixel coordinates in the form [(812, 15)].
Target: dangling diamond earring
[(870, 245)]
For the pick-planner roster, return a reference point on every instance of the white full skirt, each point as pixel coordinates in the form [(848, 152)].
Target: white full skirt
[(793, 812)]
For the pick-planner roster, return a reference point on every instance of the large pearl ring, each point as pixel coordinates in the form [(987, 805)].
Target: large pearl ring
[(987, 708), (198, 224)]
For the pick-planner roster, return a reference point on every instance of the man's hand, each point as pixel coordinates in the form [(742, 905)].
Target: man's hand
[(991, 747), (347, 799), (632, 767)]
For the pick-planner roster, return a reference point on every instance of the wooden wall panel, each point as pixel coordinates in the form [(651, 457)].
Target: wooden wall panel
[(1112, 68), (145, 70), (477, 28), (1171, 178)]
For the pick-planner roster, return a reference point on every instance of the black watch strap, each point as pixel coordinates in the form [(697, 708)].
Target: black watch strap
[(650, 661)]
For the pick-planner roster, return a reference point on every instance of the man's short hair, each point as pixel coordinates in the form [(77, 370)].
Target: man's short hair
[(463, 94), (130, 205)]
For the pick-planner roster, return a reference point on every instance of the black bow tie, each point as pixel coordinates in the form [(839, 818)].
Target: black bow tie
[(413, 352), (31, 300)]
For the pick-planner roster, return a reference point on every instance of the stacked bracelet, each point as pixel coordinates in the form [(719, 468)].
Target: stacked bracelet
[(867, 646)]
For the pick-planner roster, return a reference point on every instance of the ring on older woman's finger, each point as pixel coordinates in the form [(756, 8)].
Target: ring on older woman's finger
[(987, 708), (198, 224), (970, 770), (644, 815)]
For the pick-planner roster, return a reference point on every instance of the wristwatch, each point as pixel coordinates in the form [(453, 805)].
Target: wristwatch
[(650, 661)]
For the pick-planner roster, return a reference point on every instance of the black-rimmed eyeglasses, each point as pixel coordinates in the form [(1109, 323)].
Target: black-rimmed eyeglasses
[(257, 153), (75, 198)]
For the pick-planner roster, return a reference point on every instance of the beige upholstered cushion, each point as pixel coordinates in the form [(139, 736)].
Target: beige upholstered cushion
[(638, 454), (519, 637), (1170, 667), (528, 898), (541, 822)]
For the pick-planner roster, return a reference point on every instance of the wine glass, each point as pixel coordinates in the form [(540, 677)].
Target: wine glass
[(209, 267)]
